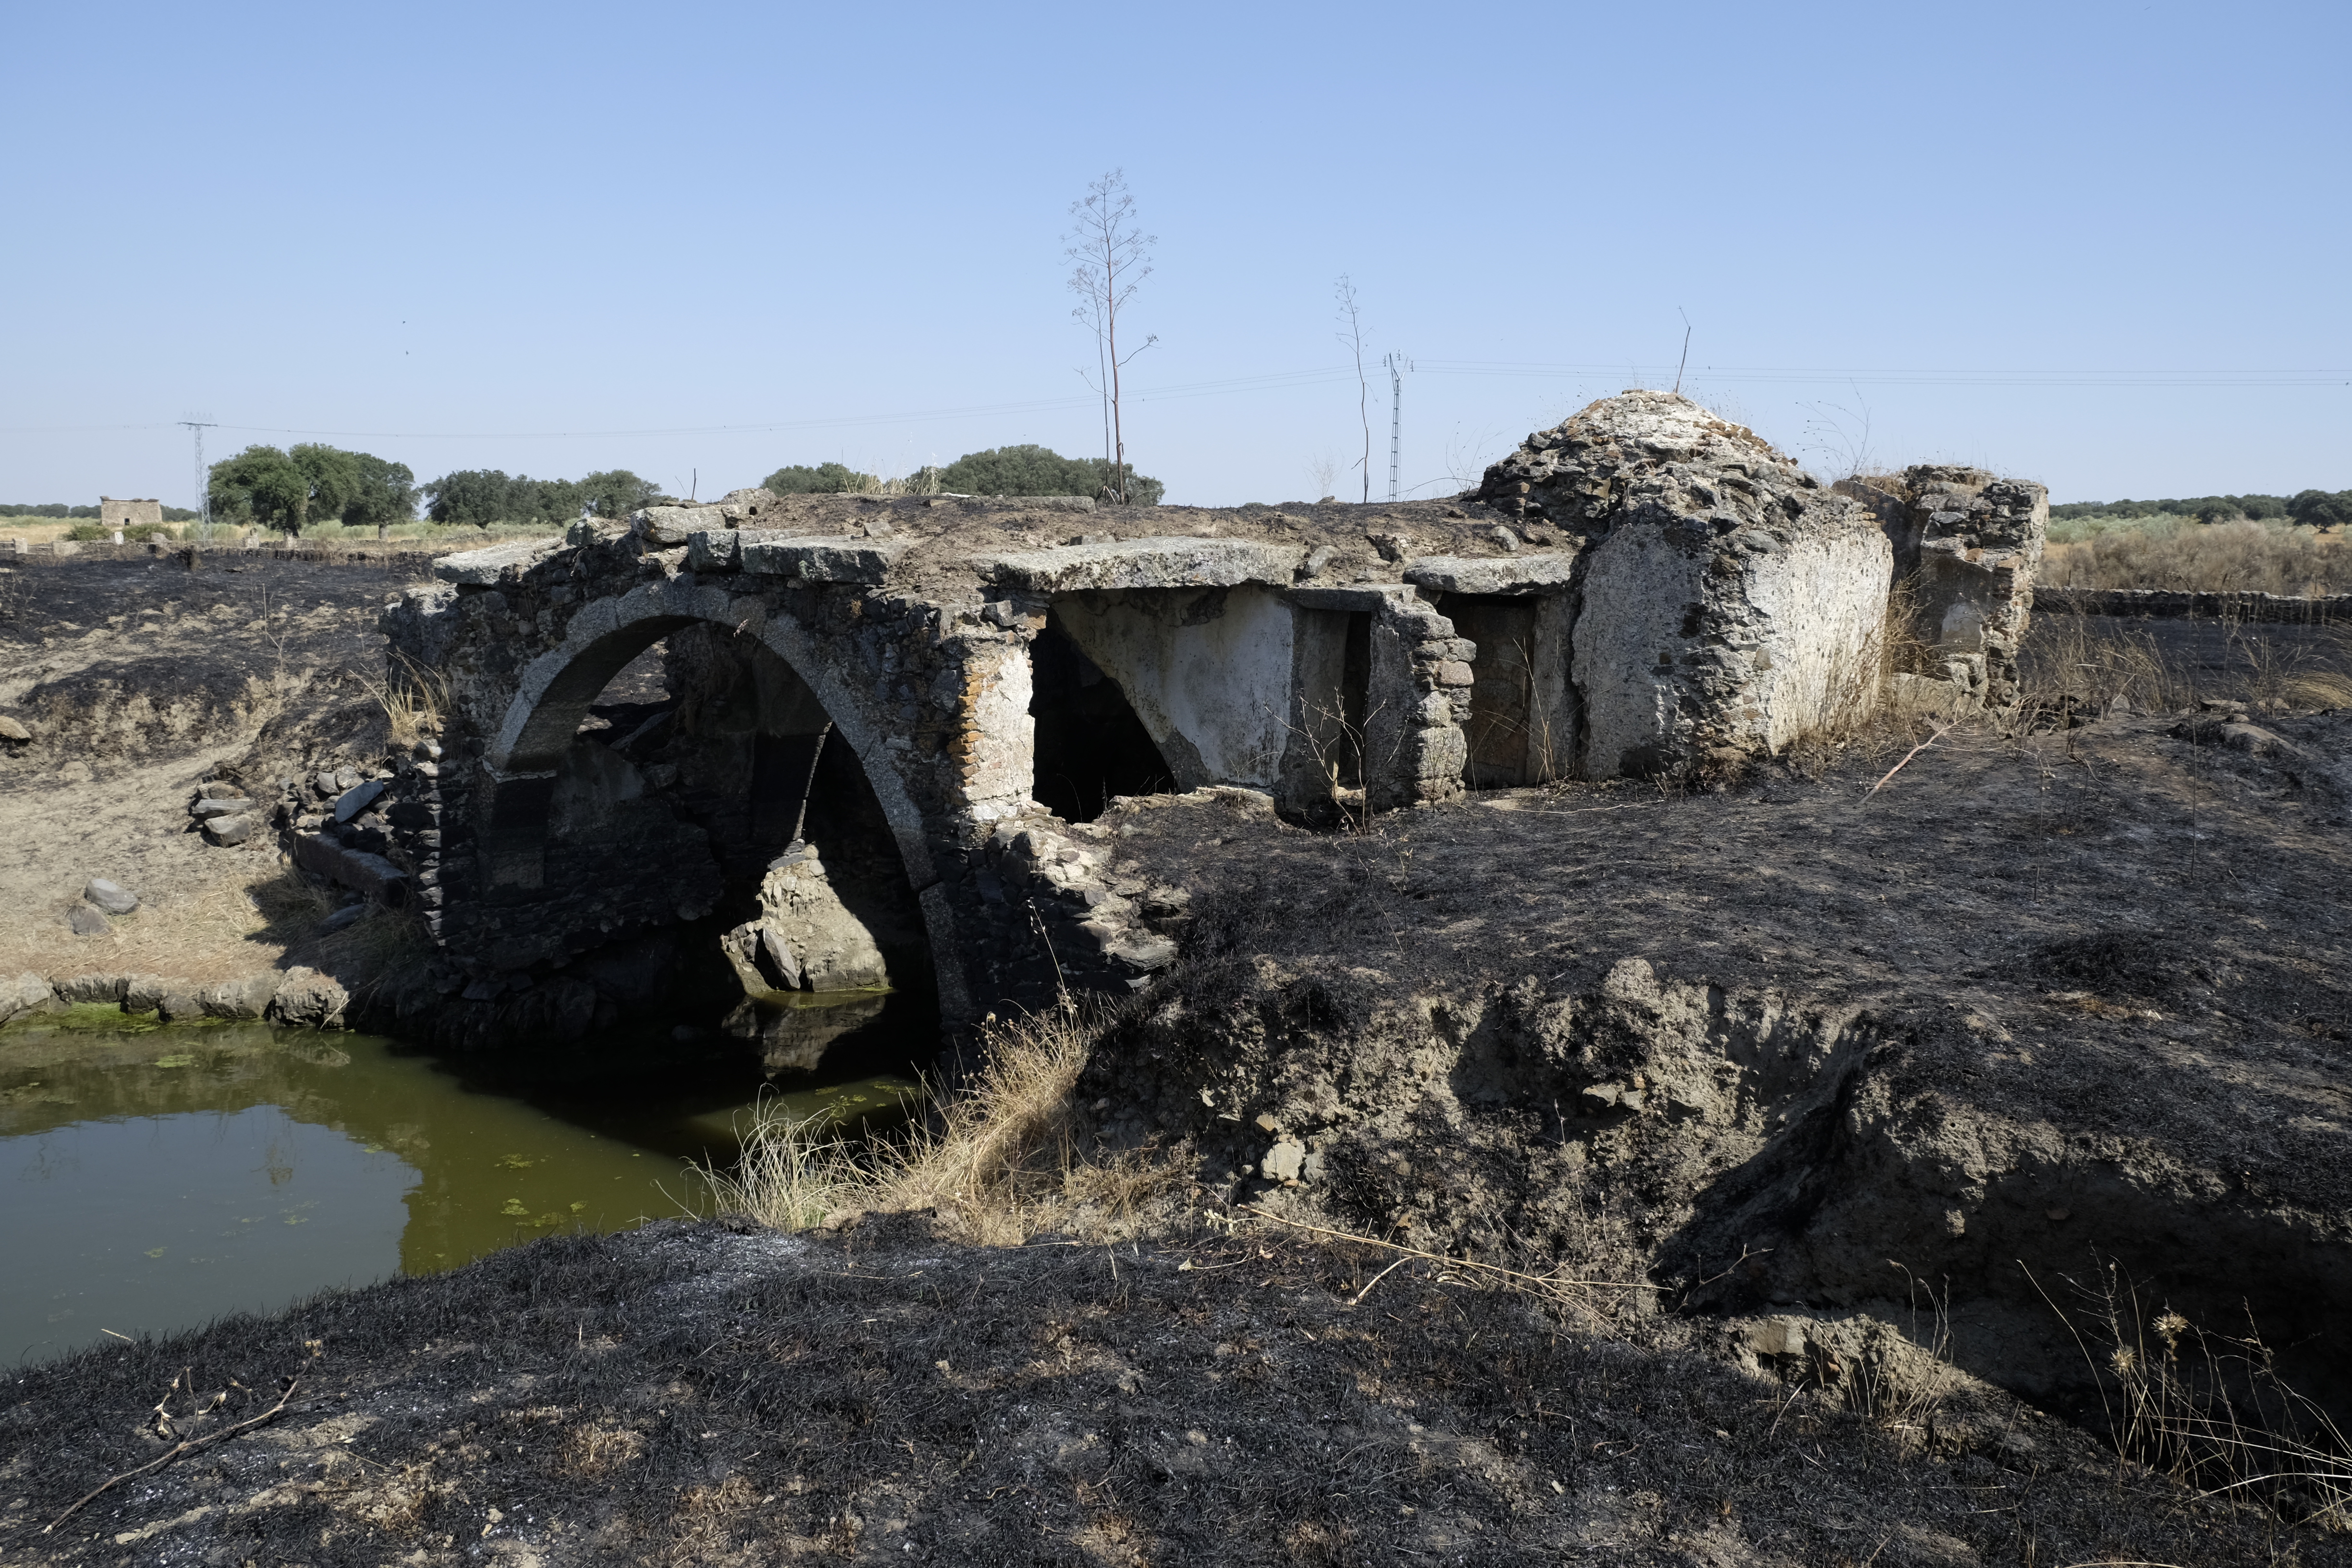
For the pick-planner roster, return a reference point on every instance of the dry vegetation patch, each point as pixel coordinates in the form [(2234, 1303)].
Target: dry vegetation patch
[(2241, 557)]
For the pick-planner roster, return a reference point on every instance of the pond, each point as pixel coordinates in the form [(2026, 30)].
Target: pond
[(158, 1176)]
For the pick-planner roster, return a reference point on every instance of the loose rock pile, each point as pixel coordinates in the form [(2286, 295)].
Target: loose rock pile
[(227, 813)]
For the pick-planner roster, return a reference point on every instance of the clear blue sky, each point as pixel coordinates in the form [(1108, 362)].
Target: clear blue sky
[(2104, 246)]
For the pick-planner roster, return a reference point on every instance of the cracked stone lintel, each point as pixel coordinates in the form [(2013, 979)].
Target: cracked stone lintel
[(1177, 562)]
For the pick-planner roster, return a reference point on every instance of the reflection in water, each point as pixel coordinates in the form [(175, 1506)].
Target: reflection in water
[(157, 1177), (797, 1029)]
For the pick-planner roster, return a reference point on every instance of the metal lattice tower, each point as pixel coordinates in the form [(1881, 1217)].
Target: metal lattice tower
[(197, 426), (1398, 364)]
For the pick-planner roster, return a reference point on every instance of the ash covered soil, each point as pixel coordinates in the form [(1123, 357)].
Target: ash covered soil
[(2035, 1008), (111, 662), (688, 1394)]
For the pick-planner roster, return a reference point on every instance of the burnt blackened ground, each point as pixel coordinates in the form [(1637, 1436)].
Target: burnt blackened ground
[(2034, 1008), (688, 1394), (110, 663)]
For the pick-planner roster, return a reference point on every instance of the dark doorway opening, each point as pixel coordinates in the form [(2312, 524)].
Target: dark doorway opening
[(1323, 759), (1090, 745), (1353, 697), (1500, 725)]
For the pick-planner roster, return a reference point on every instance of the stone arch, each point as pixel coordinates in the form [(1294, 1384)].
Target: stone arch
[(556, 688)]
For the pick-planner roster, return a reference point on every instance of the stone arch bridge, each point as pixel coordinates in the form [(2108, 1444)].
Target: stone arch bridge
[(879, 727)]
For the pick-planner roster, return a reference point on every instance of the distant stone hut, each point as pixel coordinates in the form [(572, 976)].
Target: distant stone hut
[(113, 513)]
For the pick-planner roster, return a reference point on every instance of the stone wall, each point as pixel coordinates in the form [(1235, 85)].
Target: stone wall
[(1972, 545)]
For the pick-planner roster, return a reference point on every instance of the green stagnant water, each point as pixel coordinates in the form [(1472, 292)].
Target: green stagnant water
[(158, 1176)]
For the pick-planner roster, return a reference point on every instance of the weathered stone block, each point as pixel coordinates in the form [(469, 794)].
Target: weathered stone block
[(1516, 575), (309, 999), (818, 560), (24, 996), (667, 527), (481, 568), (714, 550)]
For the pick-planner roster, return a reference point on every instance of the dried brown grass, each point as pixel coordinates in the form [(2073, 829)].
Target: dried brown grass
[(1867, 703), (2206, 1409), (2242, 557), (414, 697), (237, 925), (2070, 669), (1000, 1157)]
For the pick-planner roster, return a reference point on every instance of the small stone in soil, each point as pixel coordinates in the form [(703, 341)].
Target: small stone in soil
[(87, 921), (112, 897)]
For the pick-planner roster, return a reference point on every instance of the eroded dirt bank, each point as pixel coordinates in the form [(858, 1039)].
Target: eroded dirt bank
[(2032, 1011), (686, 1394)]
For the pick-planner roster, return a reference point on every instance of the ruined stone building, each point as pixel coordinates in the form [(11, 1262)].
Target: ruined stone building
[(882, 726), (113, 513)]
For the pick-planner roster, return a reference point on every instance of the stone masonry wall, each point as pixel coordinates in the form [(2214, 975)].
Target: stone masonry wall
[(1725, 602)]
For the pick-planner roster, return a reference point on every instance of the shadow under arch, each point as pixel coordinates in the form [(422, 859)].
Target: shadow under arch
[(525, 760)]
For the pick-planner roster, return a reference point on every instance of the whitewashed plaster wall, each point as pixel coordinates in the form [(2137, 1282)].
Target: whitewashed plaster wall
[(1207, 670)]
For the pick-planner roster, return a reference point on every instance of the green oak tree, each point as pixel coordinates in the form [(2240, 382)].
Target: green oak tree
[(260, 485), (824, 479), (1034, 470), (2320, 508), (478, 496)]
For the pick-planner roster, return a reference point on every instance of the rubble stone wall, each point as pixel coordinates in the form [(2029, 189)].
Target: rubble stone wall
[(1970, 547), (1724, 601)]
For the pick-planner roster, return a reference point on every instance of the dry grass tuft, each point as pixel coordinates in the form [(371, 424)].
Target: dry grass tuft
[(413, 698), (596, 1449), (2319, 688), (2209, 1410), (2067, 670), (998, 1160), (791, 1173), (1003, 1146)]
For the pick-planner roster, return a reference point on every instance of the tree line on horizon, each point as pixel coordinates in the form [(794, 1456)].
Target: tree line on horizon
[(1023, 470), (295, 488), (2310, 508), (62, 511)]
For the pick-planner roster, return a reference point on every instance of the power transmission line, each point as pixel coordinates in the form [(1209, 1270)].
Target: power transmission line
[(1279, 381), (197, 425), (1398, 364)]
